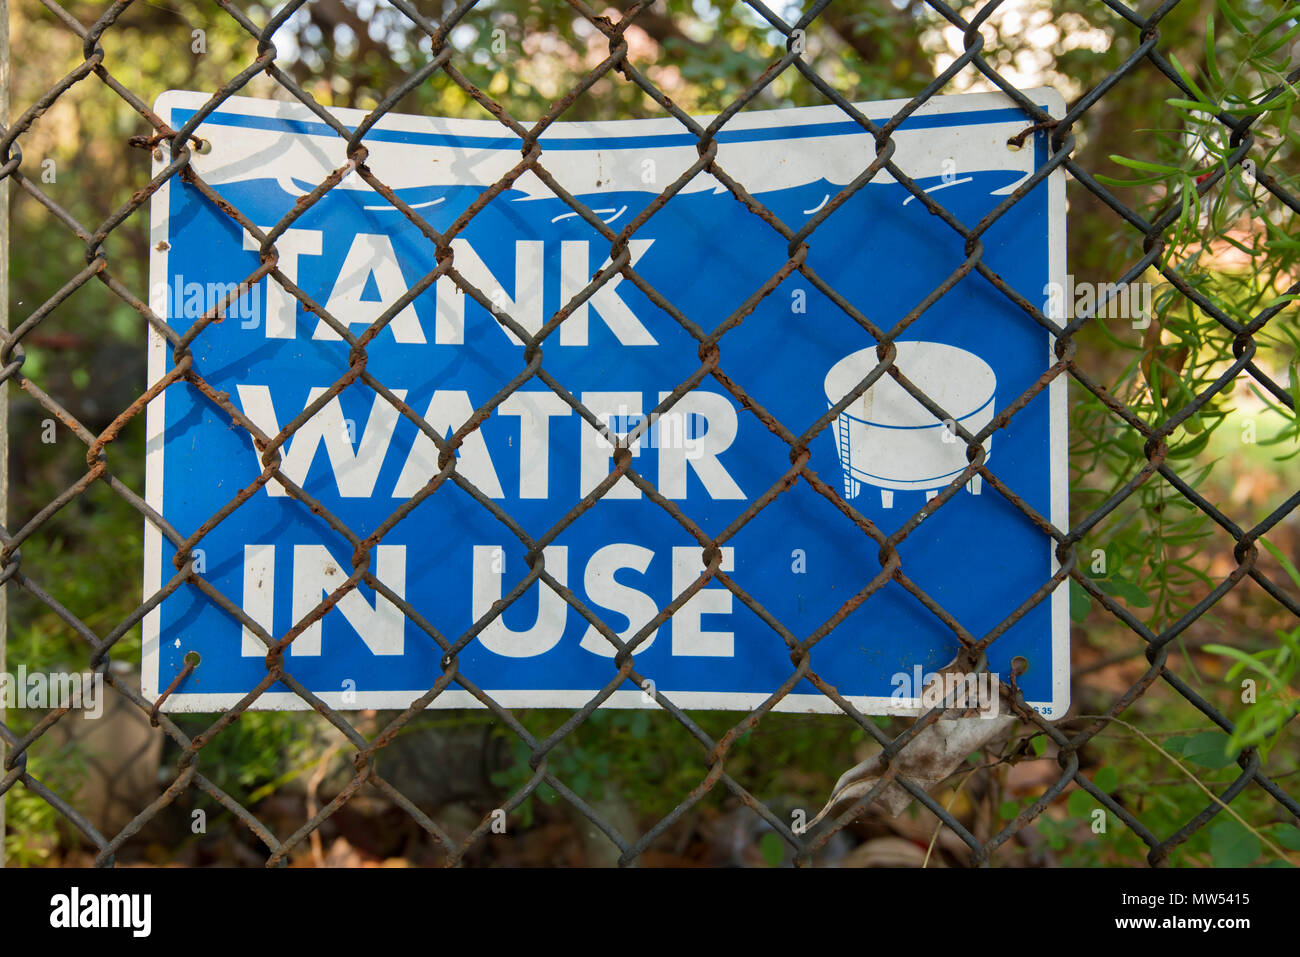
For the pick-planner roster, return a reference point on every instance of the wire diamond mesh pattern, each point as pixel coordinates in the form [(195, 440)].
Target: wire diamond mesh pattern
[(619, 66)]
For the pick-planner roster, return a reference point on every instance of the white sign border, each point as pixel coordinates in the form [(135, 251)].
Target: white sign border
[(186, 702)]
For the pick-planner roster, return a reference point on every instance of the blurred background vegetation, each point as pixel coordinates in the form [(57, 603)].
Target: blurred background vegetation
[(1155, 555)]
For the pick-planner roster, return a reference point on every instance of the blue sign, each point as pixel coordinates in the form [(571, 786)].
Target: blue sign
[(715, 468)]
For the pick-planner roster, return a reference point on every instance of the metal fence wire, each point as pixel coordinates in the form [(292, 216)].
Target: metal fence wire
[(1068, 739)]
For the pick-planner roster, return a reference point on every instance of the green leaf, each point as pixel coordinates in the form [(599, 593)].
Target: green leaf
[(1288, 835), (772, 848), (1293, 386), (1285, 562), (1210, 65), (1186, 104), (1008, 809), (1226, 9), (1232, 845), (1250, 661), (1209, 749), (1039, 744), (1079, 804), (1176, 744), (1280, 42), (1132, 594), (1187, 190), (1289, 13), (1080, 601), (1190, 448), (1106, 779), (1187, 78), (1116, 181), (1143, 165)]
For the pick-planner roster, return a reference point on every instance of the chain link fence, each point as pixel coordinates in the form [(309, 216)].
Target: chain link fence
[(363, 739)]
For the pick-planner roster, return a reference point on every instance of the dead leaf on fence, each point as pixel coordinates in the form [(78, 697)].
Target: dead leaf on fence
[(927, 759)]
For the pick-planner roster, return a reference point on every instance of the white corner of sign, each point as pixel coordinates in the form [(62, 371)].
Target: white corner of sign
[(167, 101), (1049, 97)]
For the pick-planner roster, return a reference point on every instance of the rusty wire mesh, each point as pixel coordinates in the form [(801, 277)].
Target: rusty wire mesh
[(1069, 738)]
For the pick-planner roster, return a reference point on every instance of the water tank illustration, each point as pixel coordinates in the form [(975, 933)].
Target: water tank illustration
[(889, 440)]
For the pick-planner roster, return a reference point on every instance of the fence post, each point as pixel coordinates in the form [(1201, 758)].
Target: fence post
[(4, 386)]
